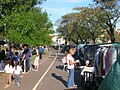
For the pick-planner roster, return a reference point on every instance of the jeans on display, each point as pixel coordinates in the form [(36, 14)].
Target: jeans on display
[(71, 82)]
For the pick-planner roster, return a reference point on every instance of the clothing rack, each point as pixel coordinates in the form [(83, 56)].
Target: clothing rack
[(98, 78)]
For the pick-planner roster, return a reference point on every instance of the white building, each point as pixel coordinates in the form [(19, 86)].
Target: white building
[(54, 38)]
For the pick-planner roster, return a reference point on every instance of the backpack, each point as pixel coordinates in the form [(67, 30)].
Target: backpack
[(16, 58), (41, 50)]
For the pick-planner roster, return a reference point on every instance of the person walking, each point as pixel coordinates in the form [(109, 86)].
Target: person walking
[(70, 66), (17, 72)]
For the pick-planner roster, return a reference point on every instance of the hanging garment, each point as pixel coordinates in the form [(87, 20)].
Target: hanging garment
[(101, 54), (107, 60), (112, 79), (113, 55), (97, 60)]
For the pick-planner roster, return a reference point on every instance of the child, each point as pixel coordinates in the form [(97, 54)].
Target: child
[(17, 56), (17, 71), (9, 71), (64, 61)]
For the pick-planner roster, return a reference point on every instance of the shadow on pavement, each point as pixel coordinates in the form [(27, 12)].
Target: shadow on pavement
[(59, 78), (60, 67)]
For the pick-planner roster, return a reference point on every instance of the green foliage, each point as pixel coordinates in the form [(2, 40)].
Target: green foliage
[(77, 28), (21, 22)]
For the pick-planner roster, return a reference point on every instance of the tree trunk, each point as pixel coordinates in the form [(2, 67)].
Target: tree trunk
[(93, 40), (112, 36)]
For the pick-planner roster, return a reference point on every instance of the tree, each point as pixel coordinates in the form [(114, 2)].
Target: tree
[(21, 22), (86, 16), (108, 14), (80, 28), (67, 28)]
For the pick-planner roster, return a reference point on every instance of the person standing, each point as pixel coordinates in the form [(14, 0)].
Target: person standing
[(70, 66), (11, 52), (41, 50), (17, 71), (8, 71), (2, 58), (16, 58), (36, 60), (27, 58), (3, 55)]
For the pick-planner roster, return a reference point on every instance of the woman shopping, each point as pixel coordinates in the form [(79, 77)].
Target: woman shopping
[(70, 66)]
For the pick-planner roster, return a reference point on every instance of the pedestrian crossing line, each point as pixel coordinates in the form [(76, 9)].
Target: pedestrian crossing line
[(37, 84)]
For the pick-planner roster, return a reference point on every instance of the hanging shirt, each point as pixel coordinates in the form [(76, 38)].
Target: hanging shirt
[(107, 61), (113, 55), (97, 58)]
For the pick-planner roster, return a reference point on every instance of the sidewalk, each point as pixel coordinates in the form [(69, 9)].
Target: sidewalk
[(27, 75)]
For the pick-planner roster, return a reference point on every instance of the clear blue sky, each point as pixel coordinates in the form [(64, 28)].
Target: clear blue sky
[(58, 8)]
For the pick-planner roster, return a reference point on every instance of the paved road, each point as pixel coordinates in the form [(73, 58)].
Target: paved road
[(49, 77), (55, 78)]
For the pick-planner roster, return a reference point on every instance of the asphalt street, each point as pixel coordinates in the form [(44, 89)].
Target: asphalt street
[(50, 75)]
